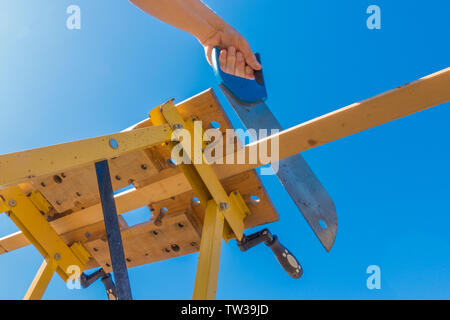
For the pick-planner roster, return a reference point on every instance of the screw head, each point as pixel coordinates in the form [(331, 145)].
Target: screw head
[(57, 256), (12, 203), (224, 206)]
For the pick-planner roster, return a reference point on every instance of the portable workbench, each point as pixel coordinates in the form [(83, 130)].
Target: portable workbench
[(61, 197)]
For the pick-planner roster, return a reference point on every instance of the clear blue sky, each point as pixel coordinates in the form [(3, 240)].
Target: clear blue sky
[(390, 184)]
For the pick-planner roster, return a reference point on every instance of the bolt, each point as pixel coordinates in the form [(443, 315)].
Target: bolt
[(224, 206), (144, 167), (57, 256), (12, 203)]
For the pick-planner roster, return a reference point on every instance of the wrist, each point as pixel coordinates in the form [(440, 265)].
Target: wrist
[(211, 28)]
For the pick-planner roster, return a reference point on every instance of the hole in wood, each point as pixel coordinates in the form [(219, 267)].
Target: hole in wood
[(58, 202), (144, 166), (57, 179), (43, 184), (195, 201), (128, 260), (175, 247), (193, 244), (78, 194), (155, 233), (108, 265), (113, 143), (214, 125), (95, 249), (254, 200), (118, 178), (171, 163), (167, 250), (180, 225), (63, 175)]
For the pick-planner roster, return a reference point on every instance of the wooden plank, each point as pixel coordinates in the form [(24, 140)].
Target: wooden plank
[(76, 189), (13, 242), (403, 101), (249, 185), (146, 242), (204, 106), (24, 165)]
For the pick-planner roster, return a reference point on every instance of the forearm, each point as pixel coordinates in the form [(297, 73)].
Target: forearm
[(191, 16)]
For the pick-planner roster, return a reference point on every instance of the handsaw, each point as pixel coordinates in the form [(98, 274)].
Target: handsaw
[(247, 97)]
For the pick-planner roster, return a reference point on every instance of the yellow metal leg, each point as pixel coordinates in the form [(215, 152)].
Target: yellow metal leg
[(41, 280), (25, 211), (209, 259)]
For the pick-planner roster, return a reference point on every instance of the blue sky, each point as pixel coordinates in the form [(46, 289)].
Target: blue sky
[(390, 184)]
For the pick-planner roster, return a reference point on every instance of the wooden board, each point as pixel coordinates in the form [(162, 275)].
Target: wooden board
[(405, 100), (146, 242), (77, 188)]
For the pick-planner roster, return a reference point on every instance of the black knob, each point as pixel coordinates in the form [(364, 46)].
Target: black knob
[(285, 258)]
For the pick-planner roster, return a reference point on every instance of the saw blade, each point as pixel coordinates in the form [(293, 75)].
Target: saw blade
[(298, 179)]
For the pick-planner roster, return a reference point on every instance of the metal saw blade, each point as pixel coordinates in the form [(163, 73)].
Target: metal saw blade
[(299, 180)]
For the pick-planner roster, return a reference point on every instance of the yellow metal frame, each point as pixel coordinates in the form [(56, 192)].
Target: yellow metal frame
[(27, 213), (225, 214), (201, 175)]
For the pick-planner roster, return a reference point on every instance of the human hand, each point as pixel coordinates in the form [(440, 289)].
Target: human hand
[(235, 57)]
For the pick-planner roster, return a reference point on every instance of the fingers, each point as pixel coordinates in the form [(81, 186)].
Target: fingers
[(234, 63), (249, 73), (239, 69), (250, 57), (231, 60), (223, 59)]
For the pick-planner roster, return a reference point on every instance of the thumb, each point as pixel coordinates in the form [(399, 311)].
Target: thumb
[(208, 53), (250, 58)]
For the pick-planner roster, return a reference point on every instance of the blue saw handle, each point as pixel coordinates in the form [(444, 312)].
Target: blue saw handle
[(247, 91)]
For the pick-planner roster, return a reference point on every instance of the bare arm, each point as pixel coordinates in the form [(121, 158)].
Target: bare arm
[(196, 18)]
